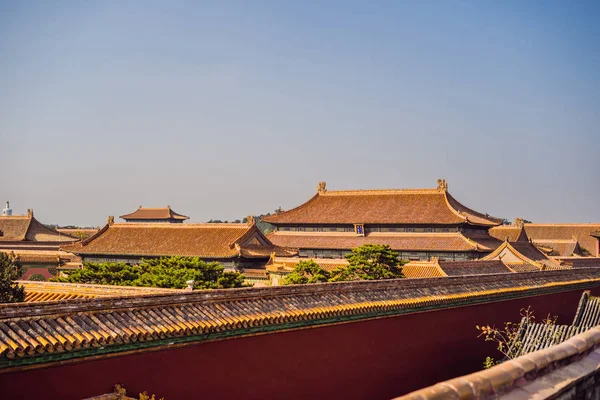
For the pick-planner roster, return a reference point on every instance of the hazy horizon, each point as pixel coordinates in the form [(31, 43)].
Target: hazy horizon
[(227, 109)]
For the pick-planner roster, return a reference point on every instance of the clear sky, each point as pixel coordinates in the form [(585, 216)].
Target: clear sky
[(226, 109)]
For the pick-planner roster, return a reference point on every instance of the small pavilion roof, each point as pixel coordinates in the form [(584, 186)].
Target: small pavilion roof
[(164, 239), (162, 213), (25, 228), (398, 206)]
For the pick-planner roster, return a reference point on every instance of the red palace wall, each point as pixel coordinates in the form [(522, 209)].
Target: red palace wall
[(36, 270), (375, 359)]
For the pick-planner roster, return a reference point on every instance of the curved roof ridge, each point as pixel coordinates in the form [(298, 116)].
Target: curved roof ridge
[(380, 191), (168, 213), (179, 226), (515, 252), (461, 209), (301, 206), (559, 224)]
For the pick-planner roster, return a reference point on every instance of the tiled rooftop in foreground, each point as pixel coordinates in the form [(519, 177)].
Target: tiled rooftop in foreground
[(47, 332), (54, 291)]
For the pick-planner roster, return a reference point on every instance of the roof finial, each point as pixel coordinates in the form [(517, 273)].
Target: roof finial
[(250, 220), (519, 222), (322, 187), (30, 212), (442, 185), (110, 220)]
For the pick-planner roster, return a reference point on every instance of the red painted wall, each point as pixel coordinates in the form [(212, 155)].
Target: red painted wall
[(377, 359), (36, 270)]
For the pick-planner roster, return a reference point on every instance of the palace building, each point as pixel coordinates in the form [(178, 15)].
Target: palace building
[(418, 223), (154, 215), (34, 245), (560, 240), (239, 246)]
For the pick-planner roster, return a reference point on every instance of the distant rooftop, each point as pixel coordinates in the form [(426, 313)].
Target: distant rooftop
[(397, 206), (163, 214)]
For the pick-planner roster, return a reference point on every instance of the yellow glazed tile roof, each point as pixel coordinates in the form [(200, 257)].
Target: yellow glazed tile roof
[(34, 329)]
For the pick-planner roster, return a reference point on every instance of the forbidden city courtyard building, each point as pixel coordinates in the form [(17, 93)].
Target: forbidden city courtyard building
[(35, 246), (418, 223), (235, 246)]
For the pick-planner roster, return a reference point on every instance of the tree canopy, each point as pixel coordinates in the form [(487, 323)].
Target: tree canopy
[(367, 262), (307, 271), (165, 272), (10, 270)]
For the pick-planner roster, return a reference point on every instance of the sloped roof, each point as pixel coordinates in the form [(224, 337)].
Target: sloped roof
[(80, 233), (399, 206), (436, 268), (539, 335), (588, 311), (474, 267), (287, 264), (18, 228), (534, 336), (42, 256), (553, 235), (422, 269), (453, 241), (579, 262), (112, 324), (164, 239), (522, 255), (55, 291), (145, 213)]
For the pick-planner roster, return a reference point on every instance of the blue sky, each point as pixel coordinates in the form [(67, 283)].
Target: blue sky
[(226, 109)]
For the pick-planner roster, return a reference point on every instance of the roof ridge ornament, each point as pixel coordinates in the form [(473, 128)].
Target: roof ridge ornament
[(251, 220), (110, 220), (321, 188), (519, 222), (442, 185), (30, 212)]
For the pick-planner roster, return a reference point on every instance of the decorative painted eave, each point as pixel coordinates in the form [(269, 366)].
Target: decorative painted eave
[(36, 335)]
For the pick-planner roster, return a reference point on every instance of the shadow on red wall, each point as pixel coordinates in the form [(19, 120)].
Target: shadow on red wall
[(376, 359)]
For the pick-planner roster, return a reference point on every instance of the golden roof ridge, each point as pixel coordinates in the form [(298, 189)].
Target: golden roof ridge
[(379, 191), (134, 225)]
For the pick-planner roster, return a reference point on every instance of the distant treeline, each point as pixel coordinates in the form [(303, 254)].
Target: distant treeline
[(264, 227)]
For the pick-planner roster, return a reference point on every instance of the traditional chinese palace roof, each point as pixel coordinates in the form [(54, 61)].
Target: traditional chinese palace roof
[(103, 325), (42, 256), (452, 241), (164, 239), (37, 333), (25, 228), (164, 214), (287, 264), (55, 291), (563, 239), (399, 206)]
